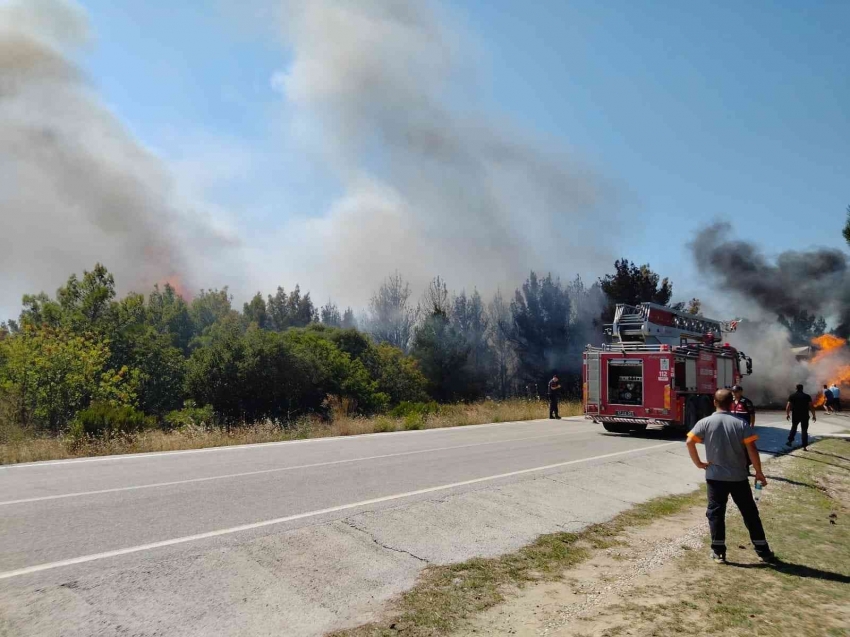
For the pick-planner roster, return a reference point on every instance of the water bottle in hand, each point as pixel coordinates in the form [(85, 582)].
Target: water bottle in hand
[(757, 494)]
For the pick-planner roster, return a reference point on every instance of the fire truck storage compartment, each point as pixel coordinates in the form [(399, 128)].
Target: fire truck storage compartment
[(625, 381), (725, 375), (690, 373), (593, 382)]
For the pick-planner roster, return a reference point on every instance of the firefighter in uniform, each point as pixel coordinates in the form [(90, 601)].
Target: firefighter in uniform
[(554, 390), (742, 407)]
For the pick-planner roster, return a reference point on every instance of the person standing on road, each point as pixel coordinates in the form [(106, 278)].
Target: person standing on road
[(828, 400), (728, 442), (797, 410), (836, 397), (554, 391), (742, 407)]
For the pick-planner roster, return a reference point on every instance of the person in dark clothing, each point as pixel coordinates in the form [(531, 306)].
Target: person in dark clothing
[(554, 391), (797, 410), (828, 400), (728, 443)]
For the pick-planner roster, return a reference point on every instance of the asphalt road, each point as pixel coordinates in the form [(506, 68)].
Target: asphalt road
[(297, 537)]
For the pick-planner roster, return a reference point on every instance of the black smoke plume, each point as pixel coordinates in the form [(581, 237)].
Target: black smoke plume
[(816, 280)]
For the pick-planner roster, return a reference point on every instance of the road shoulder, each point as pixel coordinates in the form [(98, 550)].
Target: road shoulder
[(648, 572)]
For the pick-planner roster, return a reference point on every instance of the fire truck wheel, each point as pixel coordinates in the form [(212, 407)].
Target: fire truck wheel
[(617, 428)]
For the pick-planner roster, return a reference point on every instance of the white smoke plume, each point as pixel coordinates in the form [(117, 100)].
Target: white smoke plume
[(75, 187), (432, 182)]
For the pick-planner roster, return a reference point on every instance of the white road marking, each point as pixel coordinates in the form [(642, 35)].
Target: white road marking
[(279, 469), (155, 454), (309, 514)]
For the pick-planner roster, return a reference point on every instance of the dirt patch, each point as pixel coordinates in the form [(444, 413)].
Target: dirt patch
[(641, 556)]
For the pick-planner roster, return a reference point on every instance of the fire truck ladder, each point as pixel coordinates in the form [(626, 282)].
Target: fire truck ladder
[(649, 322)]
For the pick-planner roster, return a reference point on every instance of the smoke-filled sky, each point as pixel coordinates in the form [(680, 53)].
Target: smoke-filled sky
[(329, 142)]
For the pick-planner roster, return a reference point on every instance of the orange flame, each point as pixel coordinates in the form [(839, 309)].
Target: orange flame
[(179, 287), (827, 346)]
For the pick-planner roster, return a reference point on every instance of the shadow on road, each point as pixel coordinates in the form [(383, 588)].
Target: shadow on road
[(667, 433)]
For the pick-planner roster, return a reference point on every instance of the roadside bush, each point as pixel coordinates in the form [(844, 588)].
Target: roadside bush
[(102, 420), (384, 424), (413, 421), (191, 416), (405, 409)]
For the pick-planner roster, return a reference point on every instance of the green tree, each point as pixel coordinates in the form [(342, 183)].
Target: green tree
[(398, 375), (168, 313), (208, 308), (256, 312), (348, 320), (803, 327), (213, 370), (329, 371), (161, 369), (632, 284), (87, 304), (441, 350), (469, 318), (330, 315), (290, 310), (391, 315), (40, 309), (50, 374), (541, 329), (503, 353)]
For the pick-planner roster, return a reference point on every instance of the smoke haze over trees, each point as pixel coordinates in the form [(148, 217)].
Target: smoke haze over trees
[(75, 187), (71, 358), (383, 96)]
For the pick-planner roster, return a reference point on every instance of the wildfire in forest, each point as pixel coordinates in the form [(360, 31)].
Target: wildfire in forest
[(826, 345), (836, 370), (179, 287)]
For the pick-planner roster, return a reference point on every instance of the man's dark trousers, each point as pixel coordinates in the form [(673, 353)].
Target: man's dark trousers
[(804, 427), (718, 495), (553, 406)]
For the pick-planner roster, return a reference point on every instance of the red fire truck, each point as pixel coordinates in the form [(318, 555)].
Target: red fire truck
[(661, 368)]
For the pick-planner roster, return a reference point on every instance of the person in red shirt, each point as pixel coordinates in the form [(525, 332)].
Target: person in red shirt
[(742, 407)]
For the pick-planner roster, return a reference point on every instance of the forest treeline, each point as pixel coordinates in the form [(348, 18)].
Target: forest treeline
[(87, 362)]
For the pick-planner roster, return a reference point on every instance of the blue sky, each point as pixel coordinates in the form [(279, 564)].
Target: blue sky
[(699, 111)]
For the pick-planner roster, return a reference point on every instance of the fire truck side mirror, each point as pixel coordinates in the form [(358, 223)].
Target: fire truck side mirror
[(749, 366)]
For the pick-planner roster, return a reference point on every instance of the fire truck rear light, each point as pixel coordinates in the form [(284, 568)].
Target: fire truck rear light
[(665, 348)]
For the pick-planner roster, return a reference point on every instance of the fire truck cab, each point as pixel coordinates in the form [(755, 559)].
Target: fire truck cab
[(661, 369)]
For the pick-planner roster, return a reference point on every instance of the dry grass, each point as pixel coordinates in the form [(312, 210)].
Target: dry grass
[(21, 448)]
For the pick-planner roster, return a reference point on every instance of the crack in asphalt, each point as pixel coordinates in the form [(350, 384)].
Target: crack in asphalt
[(351, 524)]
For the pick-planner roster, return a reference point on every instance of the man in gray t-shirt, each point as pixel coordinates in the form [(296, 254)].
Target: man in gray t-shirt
[(728, 443)]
